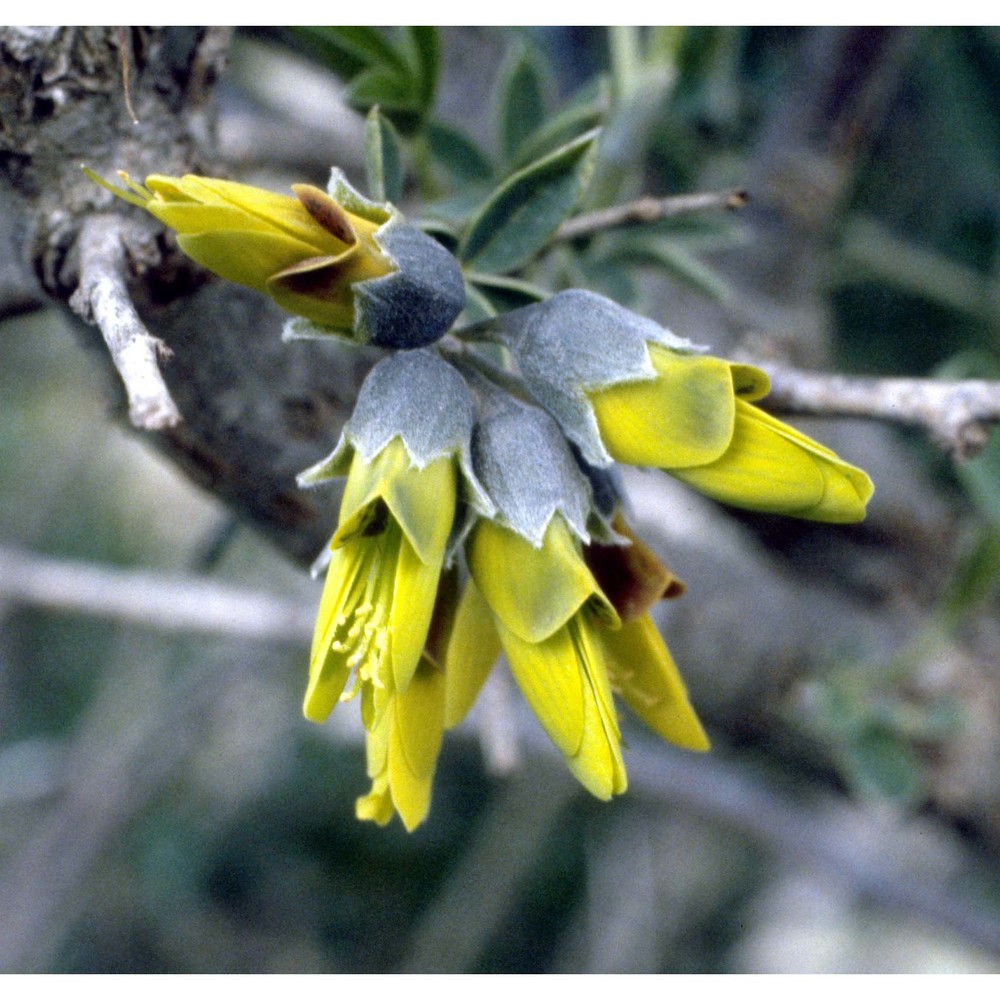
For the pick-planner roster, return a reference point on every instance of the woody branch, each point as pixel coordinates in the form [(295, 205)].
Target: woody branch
[(958, 415), (102, 298)]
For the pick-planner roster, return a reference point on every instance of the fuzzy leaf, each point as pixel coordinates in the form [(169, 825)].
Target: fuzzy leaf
[(583, 113), (425, 44), (383, 158), (457, 154), (367, 46), (521, 215), (390, 88), (521, 103)]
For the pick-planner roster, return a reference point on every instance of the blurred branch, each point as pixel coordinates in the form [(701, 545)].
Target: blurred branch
[(645, 210), (709, 786), (253, 140), (180, 604), (102, 298), (452, 934), (104, 782), (957, 414), (17, 298), (19, 291), (724, 792)]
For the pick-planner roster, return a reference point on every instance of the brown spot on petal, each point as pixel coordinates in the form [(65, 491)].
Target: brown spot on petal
[(326, 212), (631, 576), (312, 276)]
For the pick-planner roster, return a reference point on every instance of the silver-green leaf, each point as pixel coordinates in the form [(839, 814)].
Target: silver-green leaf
[(383, 158), (520, 216)]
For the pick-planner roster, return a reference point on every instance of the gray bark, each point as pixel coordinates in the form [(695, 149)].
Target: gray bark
[(254, 411)]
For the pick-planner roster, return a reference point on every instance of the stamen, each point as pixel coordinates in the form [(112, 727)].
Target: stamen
[(361, 634)]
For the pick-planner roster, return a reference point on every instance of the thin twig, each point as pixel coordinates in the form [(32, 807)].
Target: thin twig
[(125, 48), (102, 298), (957, 414), (645, 210), (184, 604)]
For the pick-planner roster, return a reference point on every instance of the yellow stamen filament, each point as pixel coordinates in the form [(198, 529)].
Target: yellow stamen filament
[(361, 631)]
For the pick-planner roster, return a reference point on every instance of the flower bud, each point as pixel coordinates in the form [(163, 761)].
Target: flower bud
[(623, 389), (345, 264)]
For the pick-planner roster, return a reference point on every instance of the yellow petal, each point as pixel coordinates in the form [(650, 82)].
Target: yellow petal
[(402, 751), (773, 467), (762, 469), (644, 673), (598, 763), (749, 382), (190, 218), (414, 593), (317, 288), (377, 805), (473, 648), (419, 724), (322, 288), (532, 591), (246, 258), (847, 489), (682, 417), (414, 744), (548, 675), (421, 500), (328, 668), (280, 212)]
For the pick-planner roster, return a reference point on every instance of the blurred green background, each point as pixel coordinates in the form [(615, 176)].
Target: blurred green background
[(163, 806)]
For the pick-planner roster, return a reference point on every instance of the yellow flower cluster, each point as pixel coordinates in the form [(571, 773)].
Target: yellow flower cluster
[(571, 615), (572, 620)]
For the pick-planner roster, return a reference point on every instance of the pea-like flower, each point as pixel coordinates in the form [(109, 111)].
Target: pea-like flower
[(568, 646), (624, 389), (381, 581), (346, 264), (405, 451), (547, 609), (533, 593), (696, 420)]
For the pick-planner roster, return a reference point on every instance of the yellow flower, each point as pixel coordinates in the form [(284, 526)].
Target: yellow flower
[(547, 611), (381, 582), (639, 664), (568, 645), (340, 262), (305, 252), (402, 750), (697, 421)]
